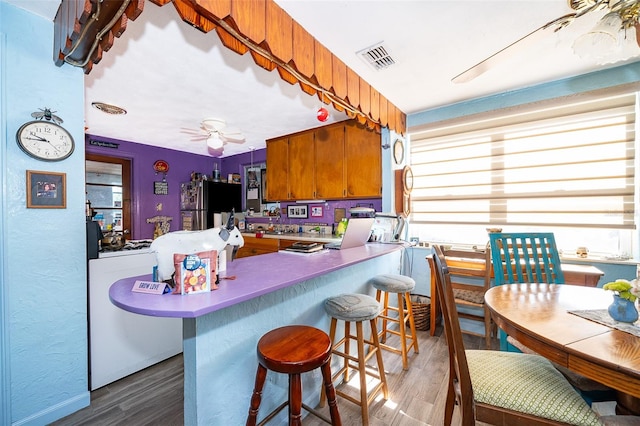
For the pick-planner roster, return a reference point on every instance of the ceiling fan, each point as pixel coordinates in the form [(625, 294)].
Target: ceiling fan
[(621, 15), (216, 133)]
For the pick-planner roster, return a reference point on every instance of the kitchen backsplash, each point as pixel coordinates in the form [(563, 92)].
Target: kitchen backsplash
[(317, 214)]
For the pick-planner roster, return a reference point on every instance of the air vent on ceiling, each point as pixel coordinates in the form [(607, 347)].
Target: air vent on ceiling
[(377, 56), (108, 108)]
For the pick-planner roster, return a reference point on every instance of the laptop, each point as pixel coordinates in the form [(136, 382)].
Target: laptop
[(357, 234)]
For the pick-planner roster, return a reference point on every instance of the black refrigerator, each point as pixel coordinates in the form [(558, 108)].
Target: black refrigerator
[(200, 200)]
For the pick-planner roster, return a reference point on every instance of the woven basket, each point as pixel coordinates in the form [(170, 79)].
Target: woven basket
[(421, 307)]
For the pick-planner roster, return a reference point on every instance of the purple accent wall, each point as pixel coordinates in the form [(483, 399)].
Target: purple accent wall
[(144, 201), (181, 164)]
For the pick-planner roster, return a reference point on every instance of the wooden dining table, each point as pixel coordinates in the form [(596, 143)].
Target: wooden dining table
[(584, 275), (538, 316)]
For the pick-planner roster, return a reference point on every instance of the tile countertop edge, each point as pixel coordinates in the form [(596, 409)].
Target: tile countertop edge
[(255, 276)]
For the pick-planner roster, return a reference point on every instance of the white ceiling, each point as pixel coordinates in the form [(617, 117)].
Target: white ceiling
[(170, 76)]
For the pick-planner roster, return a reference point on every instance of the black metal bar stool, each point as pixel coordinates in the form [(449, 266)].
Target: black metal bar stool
[(402, 286), (357, 308), (293, 350)]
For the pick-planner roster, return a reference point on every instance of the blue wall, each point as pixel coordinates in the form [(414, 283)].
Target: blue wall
[(43, 343), (44, 298), (587, 82)]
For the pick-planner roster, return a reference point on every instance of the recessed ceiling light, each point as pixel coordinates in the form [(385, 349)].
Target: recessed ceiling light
[(108, 108)]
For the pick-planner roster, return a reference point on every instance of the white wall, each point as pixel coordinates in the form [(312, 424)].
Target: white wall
[(43, 276)]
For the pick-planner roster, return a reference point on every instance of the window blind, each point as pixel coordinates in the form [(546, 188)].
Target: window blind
[(566, 165)]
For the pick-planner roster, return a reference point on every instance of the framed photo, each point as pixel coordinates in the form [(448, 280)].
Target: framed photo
[(297, 211), (46, 190), (316, 211)]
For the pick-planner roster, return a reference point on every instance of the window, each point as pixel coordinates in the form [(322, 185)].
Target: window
[(107, 187), (566, 168)]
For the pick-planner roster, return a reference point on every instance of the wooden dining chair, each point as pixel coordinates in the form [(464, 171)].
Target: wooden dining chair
[(502, 388), (470, 279)]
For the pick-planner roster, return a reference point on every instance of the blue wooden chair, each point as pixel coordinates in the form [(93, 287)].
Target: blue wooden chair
[(535, 254), (524, 258)]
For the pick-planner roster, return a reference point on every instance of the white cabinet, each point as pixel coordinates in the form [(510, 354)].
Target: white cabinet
[(121, 342)]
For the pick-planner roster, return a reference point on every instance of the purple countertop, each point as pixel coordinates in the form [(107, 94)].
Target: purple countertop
[(255, 276)]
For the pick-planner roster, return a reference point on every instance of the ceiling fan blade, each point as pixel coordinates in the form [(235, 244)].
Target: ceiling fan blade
[(503, 54), (192, 131), (232, 140), (235, 137)]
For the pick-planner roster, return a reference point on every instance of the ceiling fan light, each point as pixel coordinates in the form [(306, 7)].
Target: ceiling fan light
[(214, 141), (602, 41)]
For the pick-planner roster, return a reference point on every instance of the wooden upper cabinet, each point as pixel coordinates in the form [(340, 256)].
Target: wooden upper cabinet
[(301, 166), (363, 160), (329, 153), (277, 169), (337, 161)]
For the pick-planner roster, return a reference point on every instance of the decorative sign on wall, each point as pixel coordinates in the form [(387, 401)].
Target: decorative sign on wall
[(104, 144), (161, 188)]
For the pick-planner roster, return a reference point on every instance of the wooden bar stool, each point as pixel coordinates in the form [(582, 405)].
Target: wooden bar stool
[(402, 286), (357, 308), (293, 350)]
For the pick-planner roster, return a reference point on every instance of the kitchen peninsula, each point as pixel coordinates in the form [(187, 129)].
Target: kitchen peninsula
[(221, 328)]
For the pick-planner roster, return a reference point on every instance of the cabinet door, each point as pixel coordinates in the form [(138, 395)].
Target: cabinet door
[(256, 246), (277, 169), (301, 167), (329, 153), (363, 158)]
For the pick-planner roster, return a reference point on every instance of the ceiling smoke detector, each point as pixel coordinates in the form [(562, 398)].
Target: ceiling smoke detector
[(108, 108), (377, 56)]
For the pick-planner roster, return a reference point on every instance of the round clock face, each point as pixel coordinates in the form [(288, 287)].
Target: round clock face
[(407, 180), (45, 140), (398, 151)]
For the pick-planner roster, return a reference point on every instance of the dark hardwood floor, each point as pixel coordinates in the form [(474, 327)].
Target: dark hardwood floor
[(154, 396)]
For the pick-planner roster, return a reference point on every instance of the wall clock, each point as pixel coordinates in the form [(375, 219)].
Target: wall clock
[(398, 151), (45, 140)]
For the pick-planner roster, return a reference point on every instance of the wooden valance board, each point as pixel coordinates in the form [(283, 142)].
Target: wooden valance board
[(261, 27)]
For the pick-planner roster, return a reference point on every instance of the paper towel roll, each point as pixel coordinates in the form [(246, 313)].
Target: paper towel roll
[(222, 261), (217, 220)]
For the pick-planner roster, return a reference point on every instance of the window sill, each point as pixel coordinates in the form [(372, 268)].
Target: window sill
[(598, 259)]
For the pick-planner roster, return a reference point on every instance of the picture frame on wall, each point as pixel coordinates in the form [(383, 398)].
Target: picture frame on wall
[(46, 190), (316, 211), (297, 211)]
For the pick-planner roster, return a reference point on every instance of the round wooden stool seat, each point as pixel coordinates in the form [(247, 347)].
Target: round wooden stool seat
[(400, 314), (294, 350)]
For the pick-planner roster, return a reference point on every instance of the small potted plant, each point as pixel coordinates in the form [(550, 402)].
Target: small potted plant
[(626, 293)]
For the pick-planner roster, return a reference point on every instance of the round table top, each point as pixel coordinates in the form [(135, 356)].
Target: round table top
[(538, 316)]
